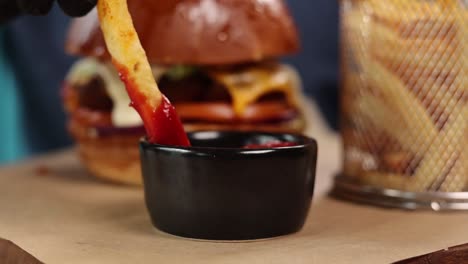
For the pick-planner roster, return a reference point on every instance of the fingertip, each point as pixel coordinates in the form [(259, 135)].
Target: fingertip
[(8, 11), (35, 7), (77, 8)]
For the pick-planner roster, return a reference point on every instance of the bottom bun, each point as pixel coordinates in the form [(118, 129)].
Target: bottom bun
[(116, 158), (113, 158), (119, 164)]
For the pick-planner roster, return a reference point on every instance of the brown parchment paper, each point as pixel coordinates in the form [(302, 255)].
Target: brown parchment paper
[(50, 207)]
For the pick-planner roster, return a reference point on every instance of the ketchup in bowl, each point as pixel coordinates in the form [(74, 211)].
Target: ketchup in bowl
[(271, 144), (230, 185)]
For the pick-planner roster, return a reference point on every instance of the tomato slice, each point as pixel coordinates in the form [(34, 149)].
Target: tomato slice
[(224, 112)]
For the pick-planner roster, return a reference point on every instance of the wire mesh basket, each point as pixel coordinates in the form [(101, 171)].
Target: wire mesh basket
[(404, 103)]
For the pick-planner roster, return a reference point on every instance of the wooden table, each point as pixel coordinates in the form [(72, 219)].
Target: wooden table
[(53, 209)]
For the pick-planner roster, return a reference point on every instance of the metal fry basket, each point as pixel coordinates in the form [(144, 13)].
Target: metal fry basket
[(404, 103)]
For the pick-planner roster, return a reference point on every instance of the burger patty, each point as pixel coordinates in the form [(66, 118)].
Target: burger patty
[(197, 98), (224, 113), (196, 87), (90, 96), (93, 95)]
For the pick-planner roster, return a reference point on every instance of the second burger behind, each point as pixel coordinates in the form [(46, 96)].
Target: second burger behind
[(214, 59)]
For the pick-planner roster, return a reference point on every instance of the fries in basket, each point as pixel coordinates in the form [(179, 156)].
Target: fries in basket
[(404, 96)]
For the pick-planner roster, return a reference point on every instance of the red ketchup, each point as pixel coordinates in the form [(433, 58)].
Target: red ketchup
[(168, 129), (271, 144), (163, 125)]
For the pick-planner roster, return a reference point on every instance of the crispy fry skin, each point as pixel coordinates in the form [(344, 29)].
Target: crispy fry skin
[(128, 55)]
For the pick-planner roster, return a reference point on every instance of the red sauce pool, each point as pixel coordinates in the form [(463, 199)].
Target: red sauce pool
[(272, 144)]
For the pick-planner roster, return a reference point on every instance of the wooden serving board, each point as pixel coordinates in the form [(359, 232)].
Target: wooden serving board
[(12, 254)]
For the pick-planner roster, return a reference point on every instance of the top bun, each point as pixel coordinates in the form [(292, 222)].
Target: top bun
[(198, 32)]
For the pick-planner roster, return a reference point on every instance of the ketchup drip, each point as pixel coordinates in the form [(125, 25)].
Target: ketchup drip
[(167, 127), (162, 125)]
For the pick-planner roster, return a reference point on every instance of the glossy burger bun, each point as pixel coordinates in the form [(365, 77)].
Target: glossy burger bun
[(189, 32), (198, 32), (115, 158)]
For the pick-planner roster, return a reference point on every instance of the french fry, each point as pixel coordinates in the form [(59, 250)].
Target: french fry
[(399, 162), (456, 178), (392, 10), (355, 160), (409, 63), (398, 96), (389, 46), (454, 134), (434, 144), (387, 119), (445, 147), (386, 180), (126, 50), (162, 124), (435, 159)]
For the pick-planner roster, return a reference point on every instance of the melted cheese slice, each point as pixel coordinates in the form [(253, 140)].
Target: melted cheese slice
[(248, 85), (245, 86)]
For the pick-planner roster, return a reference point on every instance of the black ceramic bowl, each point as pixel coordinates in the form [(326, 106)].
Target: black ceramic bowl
[(219, 190)]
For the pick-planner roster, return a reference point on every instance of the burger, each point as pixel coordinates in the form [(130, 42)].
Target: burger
[(216, 61)]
